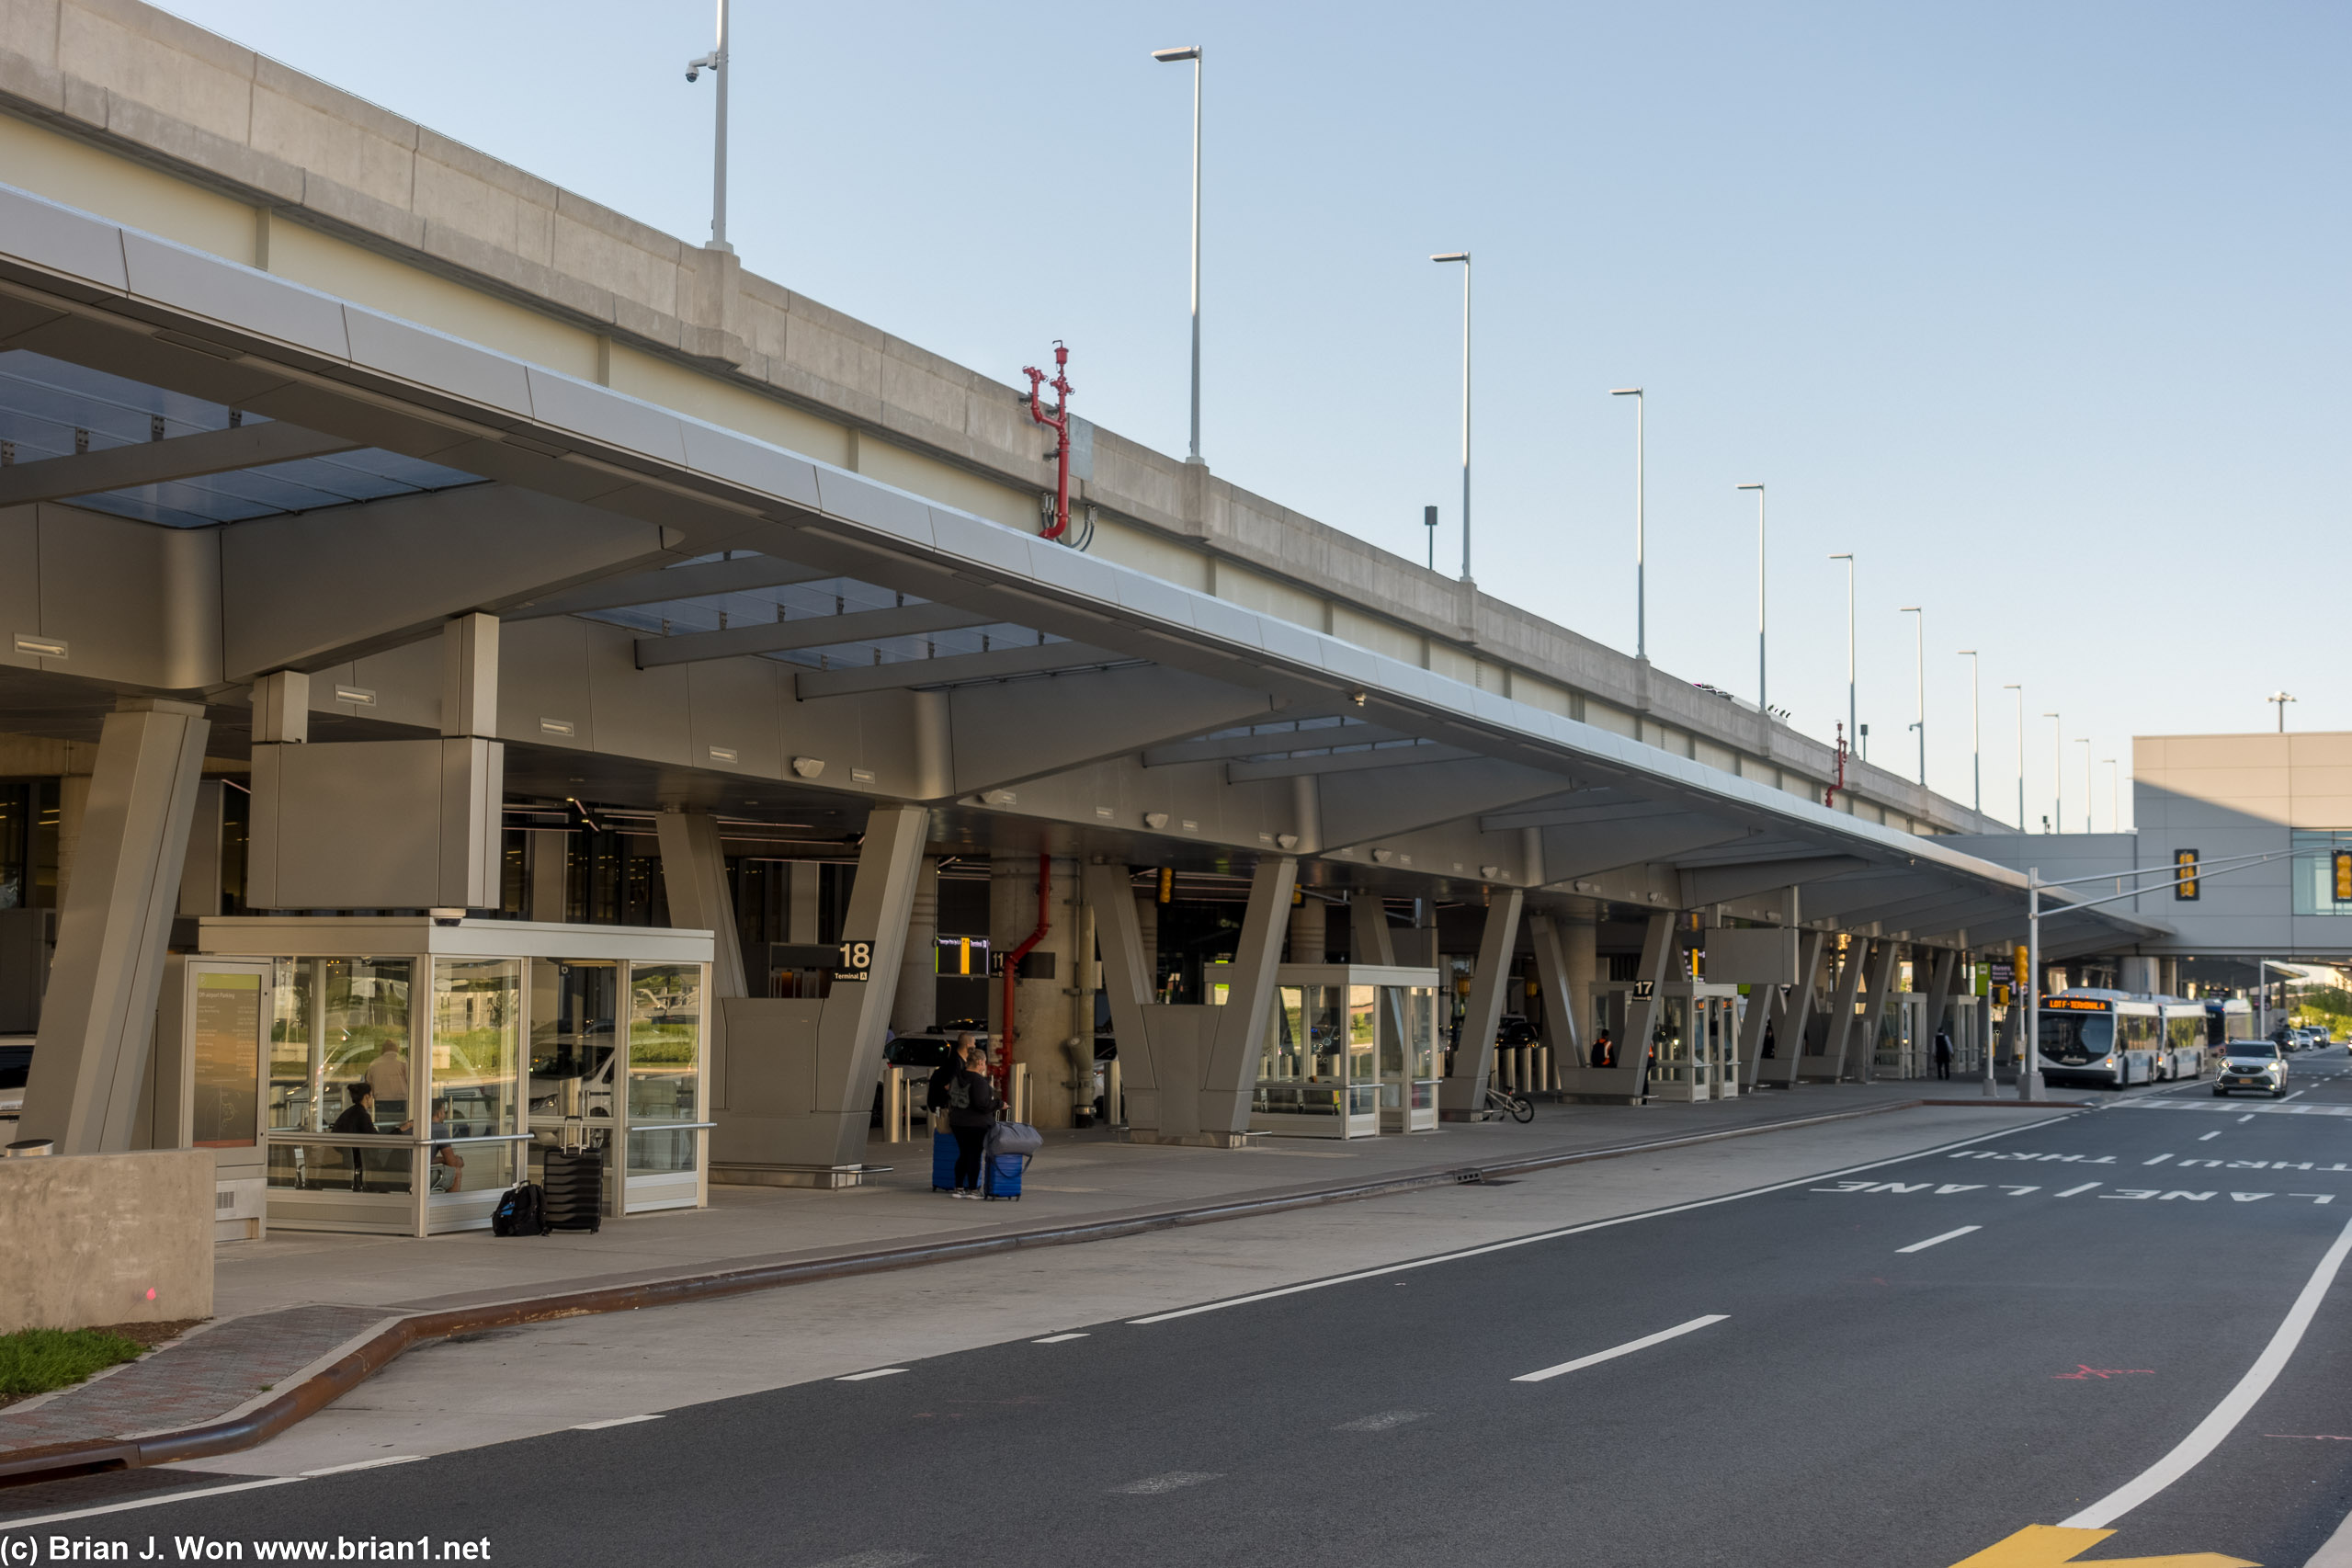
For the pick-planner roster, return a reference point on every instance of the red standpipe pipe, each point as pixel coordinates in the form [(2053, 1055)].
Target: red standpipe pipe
[(1012, 968), (1059, 423)]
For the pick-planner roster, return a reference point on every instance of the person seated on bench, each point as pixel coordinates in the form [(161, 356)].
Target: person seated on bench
[(448, 1164)]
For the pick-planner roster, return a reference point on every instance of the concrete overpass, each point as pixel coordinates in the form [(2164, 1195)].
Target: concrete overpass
[(423, 497)]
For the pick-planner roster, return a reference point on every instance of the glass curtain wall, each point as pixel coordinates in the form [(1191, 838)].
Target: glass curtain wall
[(664, 1068), (339, 1064)]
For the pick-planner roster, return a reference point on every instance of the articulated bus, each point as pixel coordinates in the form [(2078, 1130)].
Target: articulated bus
[(2118, 1039)]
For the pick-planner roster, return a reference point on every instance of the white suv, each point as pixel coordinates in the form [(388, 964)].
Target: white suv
[(2252, 1064)]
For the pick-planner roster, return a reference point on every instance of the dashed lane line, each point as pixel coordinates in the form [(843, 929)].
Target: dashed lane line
[(1175, 1480), (1581, 1230), (1947, 1236), (6, 1525), (1628, 1348), (868, 1377), (1057, 1339), (613, 1420)]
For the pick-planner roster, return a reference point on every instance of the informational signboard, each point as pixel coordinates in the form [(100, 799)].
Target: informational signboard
[(227, 1067)]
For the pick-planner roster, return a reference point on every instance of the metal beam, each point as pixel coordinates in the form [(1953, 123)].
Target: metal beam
[(995, 664), (1719, 884), (1224, 746), (159, 462), (808, 632), (1414, 755), (693, 582), (1575, 807), (1568, 856)]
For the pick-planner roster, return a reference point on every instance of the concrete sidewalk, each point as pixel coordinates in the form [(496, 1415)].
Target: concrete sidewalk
[(289, 1306)]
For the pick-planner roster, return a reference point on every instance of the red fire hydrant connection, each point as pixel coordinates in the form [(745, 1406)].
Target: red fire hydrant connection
[(1059, 423)]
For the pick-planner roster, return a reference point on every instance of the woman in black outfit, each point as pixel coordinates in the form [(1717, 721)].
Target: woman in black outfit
[(972, 1111)]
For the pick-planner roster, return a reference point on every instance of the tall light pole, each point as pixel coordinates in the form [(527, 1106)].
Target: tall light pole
[(2057, 774), (1853, 735), (2020, 690), (2084, 741), (1640, 545), (1975, 728), (1762, 704), (2280, 700), (1919, 675), (716, 63), (1173, 57), (1463, 256), (2114, 795)]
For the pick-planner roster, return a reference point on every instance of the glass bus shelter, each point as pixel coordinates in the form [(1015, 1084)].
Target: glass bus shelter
[(1351, 1052), (413, 1069), (1694, 1036)]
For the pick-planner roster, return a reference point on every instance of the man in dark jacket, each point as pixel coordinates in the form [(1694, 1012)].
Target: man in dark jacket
[(972, 1111), (935, 1097), (1943, 1054)]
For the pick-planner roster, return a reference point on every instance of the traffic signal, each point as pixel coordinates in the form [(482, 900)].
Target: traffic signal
[(2343, 869), (2184, 874), (1167, 883)]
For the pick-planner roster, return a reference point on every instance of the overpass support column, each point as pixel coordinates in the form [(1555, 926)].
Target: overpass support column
[(1189, 1069), (1642, 1012), (1309, 931), (2141, 974), (694, 875), (1939, 1001), (97, 1021), (1557, 983), (1463, 1094), (1843, 994), (1793, 1013), (1862, 1045), (915, 1007)]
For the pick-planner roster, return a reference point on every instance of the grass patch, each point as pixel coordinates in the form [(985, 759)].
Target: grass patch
[(35, 1360)]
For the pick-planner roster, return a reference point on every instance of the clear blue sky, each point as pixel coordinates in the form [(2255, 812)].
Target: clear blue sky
[(2040, 310)]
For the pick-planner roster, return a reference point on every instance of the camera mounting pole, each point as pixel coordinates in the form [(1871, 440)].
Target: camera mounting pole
[(716, 63)]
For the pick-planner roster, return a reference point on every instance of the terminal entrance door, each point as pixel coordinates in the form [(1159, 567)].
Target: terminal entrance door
[(575, 1006)]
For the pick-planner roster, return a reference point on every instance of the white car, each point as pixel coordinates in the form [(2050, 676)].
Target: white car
[(2254, 1065)]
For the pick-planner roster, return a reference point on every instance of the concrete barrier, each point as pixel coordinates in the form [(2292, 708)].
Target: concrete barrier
[(88, 1240)]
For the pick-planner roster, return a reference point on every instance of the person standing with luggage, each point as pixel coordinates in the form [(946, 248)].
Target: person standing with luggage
[(935, 1095), (1943, 1054), (972, 1111)]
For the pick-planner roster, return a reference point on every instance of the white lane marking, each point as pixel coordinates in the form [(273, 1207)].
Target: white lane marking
[(1152, 1485), (2075, 1191), (1627, 1348), (2248, 1117), (2157, 1161), (877, 1372), (366, 1464), (1385, 1421), (1057, 1339), (2209, 1432), (1947, 1236), (615, 1421), (2203, 1137), (147, 1502), (1580, 1230)]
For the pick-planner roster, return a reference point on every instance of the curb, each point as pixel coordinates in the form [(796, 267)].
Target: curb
[(256, 1424)]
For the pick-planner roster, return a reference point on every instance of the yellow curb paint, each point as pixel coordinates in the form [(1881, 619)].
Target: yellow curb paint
[(2046, 1546)]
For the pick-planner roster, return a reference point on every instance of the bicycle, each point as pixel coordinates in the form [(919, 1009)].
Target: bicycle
[(1499, 1103)]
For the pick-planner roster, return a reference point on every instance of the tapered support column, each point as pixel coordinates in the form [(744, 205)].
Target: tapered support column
[(551, 875), (1642, 1012), (1555, 970), (1862, 1045), (694, 874), (98, 1016), (1464, 1091), (1796, 1010), (1843, 994), (1368, 938), (916, 1006), (1308, 930), (1189, 1070), (799, 1074), (1939, 1001)]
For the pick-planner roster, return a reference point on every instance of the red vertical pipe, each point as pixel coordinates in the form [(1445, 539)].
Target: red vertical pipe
[(1013, 964)]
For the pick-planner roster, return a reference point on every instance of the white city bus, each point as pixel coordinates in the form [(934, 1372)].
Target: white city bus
[(2118, 1039)]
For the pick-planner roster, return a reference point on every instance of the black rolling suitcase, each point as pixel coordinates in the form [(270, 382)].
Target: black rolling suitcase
[(574, 1186)]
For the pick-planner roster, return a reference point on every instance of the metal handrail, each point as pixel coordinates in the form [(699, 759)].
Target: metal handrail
[(387, 1140)]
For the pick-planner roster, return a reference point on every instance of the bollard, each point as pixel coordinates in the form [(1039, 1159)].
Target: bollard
[(29, 1148), (1113, 1106)]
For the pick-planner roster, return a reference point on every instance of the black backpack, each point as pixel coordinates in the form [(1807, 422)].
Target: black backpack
[(521, 1212)]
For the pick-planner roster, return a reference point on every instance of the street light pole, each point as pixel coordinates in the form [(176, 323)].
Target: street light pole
[(2029, 1037), (716, 63), (2280, 700), (2020, 690), (1853, 735), (1463, 256), (1975, 727), (1171, 57), (1640, 546), (1762, 704), (1919, 676), (2084, 741), (2114, 796), (2057, 774)]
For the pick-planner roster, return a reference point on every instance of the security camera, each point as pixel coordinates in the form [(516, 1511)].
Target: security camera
[(692, 72)]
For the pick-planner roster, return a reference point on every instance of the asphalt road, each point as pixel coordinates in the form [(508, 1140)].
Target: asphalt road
[(1850, 1402)]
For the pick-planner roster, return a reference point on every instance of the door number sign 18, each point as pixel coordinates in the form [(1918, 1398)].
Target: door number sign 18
[(857, 962)]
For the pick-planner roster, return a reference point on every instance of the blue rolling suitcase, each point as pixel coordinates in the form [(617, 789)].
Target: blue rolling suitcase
[(943, 1162), (1000, 1176)]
